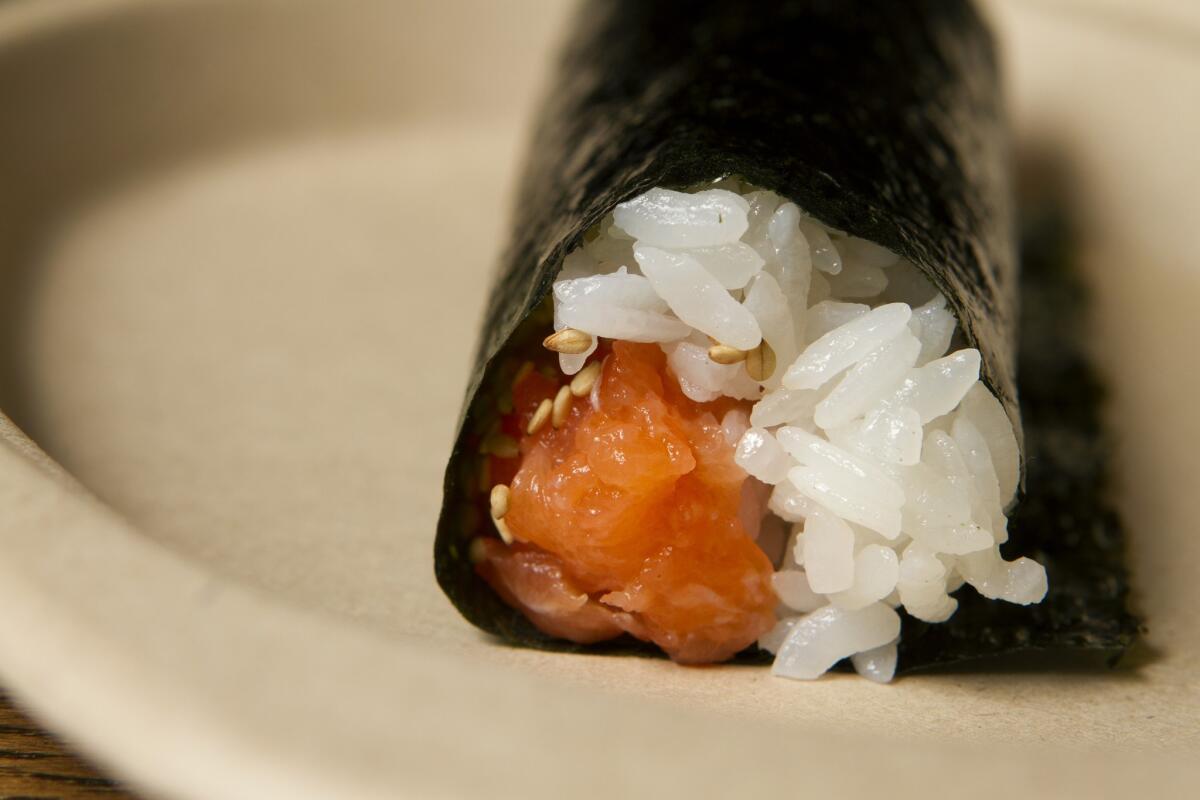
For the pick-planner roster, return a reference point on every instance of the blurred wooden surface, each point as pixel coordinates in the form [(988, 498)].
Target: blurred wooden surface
[(34, 764)]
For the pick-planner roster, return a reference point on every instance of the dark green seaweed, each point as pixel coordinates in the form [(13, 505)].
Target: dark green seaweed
[(883, 119)]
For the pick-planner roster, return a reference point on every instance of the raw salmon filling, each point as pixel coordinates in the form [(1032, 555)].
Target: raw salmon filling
[(629, 517)]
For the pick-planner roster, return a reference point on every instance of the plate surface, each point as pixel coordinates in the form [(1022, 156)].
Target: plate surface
[(244, 248)]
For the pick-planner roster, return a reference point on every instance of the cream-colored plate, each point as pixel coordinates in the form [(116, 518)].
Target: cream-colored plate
[(244, 248)]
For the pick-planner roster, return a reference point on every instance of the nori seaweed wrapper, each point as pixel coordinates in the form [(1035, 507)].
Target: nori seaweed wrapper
[(882, 119)]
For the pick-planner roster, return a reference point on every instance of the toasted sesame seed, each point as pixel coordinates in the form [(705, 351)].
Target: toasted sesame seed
[(502, 529), (477, 550), (499, 500), (562, 407), (594, 394), (569, 341), (583, 381), (760, 362), (540, 417), (724, 354), (501, 446), (522, 372)]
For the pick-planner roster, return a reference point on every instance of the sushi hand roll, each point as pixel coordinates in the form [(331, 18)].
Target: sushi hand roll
[(757, 432), (747, 385)]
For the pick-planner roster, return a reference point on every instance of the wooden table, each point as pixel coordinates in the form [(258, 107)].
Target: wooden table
[(35, 764)]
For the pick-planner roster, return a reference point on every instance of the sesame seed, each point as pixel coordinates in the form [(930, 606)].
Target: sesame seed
[(540, 417), (499, 500), (523, 372), (502, 529), (760, 362), (562, 407), (569, 341), (724, 354), (477, 550), (582, 383), (501, 446)]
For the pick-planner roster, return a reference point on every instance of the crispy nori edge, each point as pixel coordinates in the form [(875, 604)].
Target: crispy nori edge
[(880, 118)]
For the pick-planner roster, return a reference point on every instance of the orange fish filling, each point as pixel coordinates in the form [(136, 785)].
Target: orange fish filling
[(626, 518)]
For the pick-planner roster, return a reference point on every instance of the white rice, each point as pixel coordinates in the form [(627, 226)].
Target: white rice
[(891, 458)]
